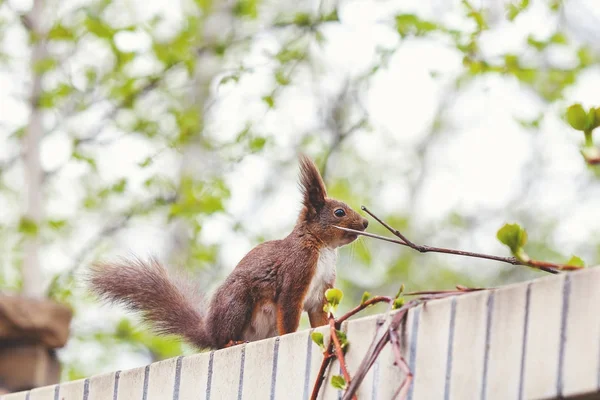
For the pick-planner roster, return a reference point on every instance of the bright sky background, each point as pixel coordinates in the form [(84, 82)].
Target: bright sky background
[(474, 168)]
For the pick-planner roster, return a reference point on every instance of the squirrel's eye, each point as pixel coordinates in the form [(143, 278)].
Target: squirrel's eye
[(339, 212)]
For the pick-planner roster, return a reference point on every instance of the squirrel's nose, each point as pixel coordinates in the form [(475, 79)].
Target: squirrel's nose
[(365, 223)]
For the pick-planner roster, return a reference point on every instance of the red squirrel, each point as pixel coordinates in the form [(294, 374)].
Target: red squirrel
[(264, 295)]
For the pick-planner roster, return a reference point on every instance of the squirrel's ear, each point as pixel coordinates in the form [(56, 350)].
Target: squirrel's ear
[(313, 188)]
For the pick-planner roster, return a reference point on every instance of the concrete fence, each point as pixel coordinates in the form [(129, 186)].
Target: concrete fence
[(538, 339)]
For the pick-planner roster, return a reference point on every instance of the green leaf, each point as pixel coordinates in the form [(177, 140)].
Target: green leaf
[(90, 161), (287, 55), (342, 338), (205, 5), (28, 226), (398, 303), (99, 28), (302, 19), (146, 162), (577, 117), (366, 296), (331, 17), (120, 186), (44, 65), (317, 337), (246, 8), (57, 224), (410, 24), (338, 382), (281, 79), (230, 78), (576, 261), (558, 38), (513, 236), (590, 120), (257, 144), (60, 32), (269, 100), (334, 296), (515, 9)]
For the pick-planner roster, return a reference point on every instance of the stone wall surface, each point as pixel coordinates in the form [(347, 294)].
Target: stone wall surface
[(533, 340)]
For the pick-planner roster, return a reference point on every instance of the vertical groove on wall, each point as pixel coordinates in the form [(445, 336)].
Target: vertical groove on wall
[(308, 362), (274, 371), (177, 378), (28, 395), (412, 361), (116, 387), (210, 374), (524, 343), (56, 391), (563, 334), (243, 361), (86, 389), (450, 347), (146, 379), (486, 351)]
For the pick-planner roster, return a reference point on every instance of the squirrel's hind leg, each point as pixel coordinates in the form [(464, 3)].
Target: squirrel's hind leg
[(229, 315)]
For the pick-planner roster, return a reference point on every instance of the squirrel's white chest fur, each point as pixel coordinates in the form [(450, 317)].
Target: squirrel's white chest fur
[(324, 276)]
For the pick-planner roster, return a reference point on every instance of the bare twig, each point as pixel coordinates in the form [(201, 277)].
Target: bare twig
[(6, 165), (391, 335), (401, 363), (542, 265), (549, 267), (108, 231), (327, 356), (362, 306), (375, 349)]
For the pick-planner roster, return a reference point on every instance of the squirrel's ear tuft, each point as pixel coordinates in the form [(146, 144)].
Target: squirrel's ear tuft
[(313, 188)]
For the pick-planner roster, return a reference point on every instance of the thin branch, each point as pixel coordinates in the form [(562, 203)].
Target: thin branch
[(395, 232), (327, 356), (399, 361), (108, 231), (549, 267), (339, 352), (542, 265), (6, 165), (362, 306), (459, 289), (377, 345)]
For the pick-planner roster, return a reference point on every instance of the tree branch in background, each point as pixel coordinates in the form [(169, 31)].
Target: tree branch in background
[(30, 153), (549, 267), (108, 231), (9, 163), (336, 120)]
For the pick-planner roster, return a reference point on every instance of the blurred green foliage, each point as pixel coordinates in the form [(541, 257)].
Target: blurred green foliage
[(155, 107)]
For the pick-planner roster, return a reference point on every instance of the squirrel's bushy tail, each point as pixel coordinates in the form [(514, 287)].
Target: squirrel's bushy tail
[(145, 286)]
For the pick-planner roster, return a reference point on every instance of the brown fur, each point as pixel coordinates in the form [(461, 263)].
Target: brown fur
[(277, 272)]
